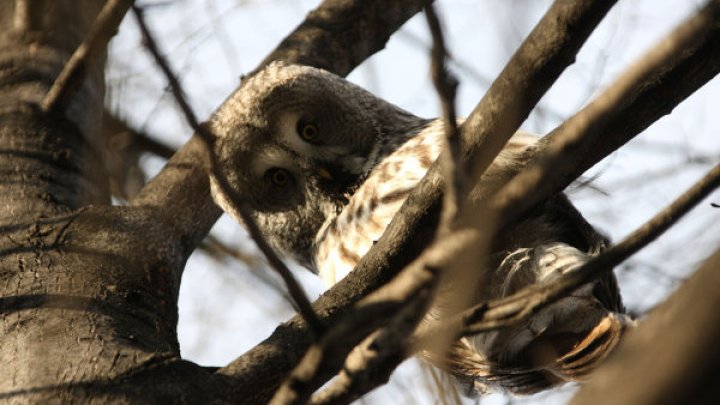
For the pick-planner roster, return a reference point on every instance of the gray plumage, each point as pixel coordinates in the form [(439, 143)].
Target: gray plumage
[(325, 165)]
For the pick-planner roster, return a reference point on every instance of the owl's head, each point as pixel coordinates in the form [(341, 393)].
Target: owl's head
[(295, 142)]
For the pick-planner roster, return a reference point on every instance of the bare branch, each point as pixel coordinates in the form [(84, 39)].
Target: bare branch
[(656, 95), (371, 363), (673, 350), (535, 66), (507, 311), (86, 55), (451, 161), (339, 35), (583, 131), (294, 288), (403, 300)]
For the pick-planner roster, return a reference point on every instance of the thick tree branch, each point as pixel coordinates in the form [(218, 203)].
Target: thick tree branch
[(543, 56), (568, 145), (86, 55), (674, 351), (339, 35)]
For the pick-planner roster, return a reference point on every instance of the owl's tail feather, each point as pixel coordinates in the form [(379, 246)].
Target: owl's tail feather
[(576, 364)]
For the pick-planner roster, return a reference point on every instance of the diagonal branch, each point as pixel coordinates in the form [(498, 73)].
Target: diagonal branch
[(451, 161), (294, 288), (361, 373), (340, 34), (673, 350), (403, 301), (86, 55), (506, 311), (585, 130)]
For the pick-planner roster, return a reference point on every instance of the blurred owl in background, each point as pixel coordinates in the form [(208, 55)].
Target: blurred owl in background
[(325, 165)]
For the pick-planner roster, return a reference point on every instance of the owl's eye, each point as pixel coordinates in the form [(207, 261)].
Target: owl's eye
[(307, 130), (279, 177)]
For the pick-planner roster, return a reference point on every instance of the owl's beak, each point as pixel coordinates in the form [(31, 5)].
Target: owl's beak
[(333, 178), (323, 173)]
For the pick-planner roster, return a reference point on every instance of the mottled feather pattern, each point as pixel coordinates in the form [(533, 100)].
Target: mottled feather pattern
[(325, 198), (344, 239)]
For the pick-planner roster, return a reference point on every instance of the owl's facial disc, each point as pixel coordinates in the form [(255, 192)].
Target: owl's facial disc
[(297, 142)]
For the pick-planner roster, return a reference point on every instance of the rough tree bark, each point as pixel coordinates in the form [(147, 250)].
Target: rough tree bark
[(88, 291), (88, 302)]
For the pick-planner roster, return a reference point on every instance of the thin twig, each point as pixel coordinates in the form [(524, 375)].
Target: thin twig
[(455, 176), (414, 286), (576, 135), (294, 288), (451, 161), (509, 310), (365, 367), (86, 55)]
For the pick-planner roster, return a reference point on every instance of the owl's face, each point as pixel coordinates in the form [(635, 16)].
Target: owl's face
[(295, 142)]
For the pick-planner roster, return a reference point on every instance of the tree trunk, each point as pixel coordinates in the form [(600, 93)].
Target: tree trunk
[(88, 301)]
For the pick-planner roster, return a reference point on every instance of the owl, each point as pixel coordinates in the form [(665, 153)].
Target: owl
[(325, 165)]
